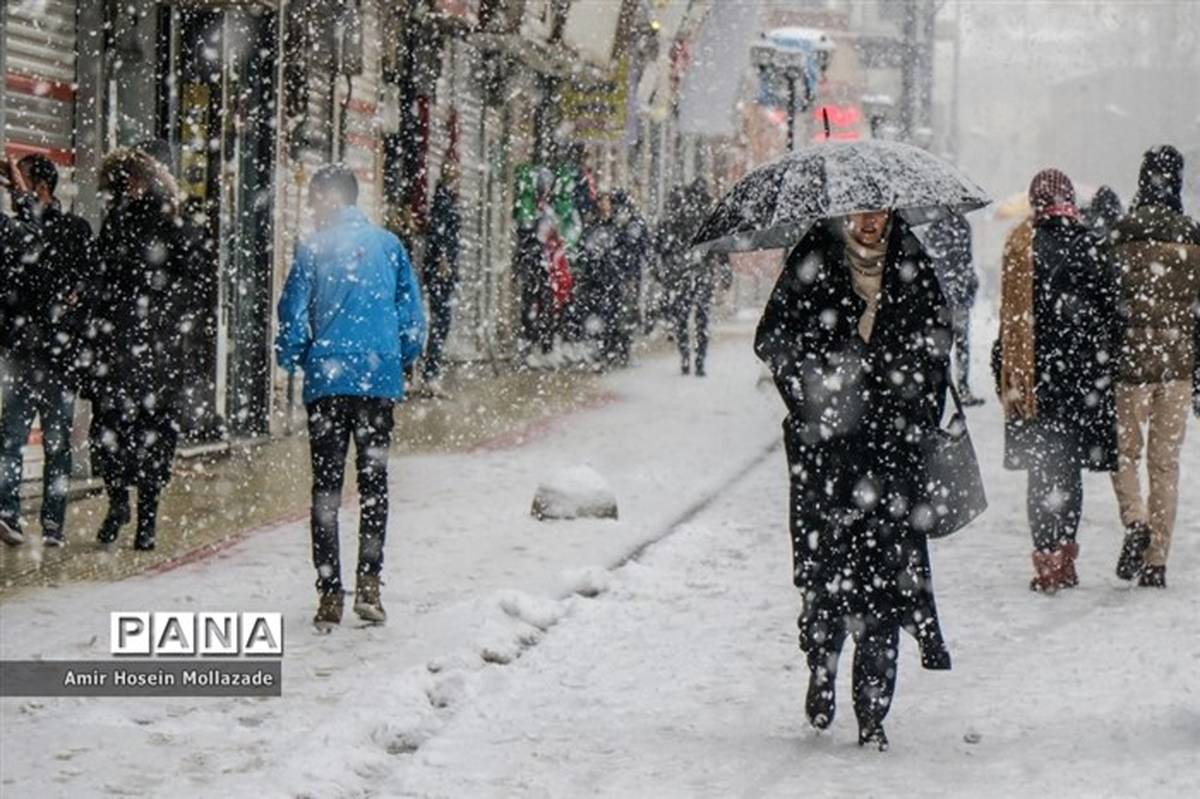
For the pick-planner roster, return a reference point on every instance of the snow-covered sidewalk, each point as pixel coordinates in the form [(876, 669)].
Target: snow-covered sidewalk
[(471, 580), (685, 680)]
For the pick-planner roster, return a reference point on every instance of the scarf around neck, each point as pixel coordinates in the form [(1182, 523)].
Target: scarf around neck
[(866, 262)]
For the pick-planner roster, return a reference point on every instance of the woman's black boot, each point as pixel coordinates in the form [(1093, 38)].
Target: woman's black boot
[(820, 704), (147, 520), (874, 737), (117, 516)]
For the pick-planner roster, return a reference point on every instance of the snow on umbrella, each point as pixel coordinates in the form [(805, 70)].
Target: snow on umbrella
[(774, 205)]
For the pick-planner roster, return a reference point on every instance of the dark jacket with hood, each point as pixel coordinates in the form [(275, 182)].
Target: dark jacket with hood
[(49, 270), (858, 416), (1156, 251)]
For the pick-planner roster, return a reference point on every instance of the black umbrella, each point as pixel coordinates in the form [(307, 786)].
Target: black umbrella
[(774, 205)]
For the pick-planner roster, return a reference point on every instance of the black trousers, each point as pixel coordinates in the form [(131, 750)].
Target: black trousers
[(693, 294), (876, 650), (441, 310), (1054, 495), (960, 327), (332, 422)]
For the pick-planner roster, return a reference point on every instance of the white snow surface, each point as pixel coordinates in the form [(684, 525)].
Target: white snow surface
[(497, 676)]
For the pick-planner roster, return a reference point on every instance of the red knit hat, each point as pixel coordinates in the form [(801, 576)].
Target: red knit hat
[(1051, 194)]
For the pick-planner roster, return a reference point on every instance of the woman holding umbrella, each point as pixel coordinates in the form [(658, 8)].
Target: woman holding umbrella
[(856, 335)]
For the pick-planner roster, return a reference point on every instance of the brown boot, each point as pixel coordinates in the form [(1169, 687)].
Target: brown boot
[(329, 610), (1047, 572), (1070, 551), (367, 603)]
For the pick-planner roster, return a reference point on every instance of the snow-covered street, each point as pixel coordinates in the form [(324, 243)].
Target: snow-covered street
[(515, 663)]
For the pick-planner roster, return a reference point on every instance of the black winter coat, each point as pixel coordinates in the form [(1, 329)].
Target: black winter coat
[(445, 227), (49, 274), (949, 245), (858, 414), (144, 300), (1077, 334)]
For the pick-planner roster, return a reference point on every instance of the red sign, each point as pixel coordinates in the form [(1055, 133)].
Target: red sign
[(837, 122)]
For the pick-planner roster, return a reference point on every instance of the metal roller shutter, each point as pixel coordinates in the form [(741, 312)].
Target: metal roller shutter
[(39, 63)]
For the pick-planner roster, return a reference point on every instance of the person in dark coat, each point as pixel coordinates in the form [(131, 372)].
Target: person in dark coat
[(688, 278), (440, 275), (633, 249), (137, 360), (533, 270), (601, 281), (1054, 365), (198, 293), (47, 278), (949, 244), (855, 335), (1156, 254), (1103, 213)]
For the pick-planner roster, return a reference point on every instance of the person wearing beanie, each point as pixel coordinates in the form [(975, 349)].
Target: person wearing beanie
[(1156, 251), (1058, 323)]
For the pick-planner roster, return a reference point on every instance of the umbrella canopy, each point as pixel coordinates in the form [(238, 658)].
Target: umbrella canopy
[(774, 205)]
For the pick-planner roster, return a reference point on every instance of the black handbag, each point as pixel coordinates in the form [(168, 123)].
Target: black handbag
[(956, 494)]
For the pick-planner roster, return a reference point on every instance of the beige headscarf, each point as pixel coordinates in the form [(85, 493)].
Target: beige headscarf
[(866, 264)]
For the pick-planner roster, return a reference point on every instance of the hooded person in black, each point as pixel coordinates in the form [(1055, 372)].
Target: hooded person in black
[(135, 376), (49, 266), (856, 335)]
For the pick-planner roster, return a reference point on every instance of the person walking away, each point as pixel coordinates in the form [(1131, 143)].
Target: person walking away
[(47, 279), (198, 417), (1157, 254), (949, 242), (633, 247), (854, 336), (1054, 370), (137, 320), (541, 272), (599, 294), (441, 273), (688, 278), (1103, 213), (351, 317)]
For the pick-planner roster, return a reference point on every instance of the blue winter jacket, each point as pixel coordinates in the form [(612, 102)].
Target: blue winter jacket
[(350, 315)]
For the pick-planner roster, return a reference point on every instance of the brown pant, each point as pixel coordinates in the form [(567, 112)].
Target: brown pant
[(1163, 408)]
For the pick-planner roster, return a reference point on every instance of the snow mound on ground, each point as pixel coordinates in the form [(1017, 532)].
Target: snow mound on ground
[(590, 581), (537, 611), (576, 493)]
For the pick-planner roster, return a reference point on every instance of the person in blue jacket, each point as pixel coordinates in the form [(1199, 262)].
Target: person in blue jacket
[(351, 317)]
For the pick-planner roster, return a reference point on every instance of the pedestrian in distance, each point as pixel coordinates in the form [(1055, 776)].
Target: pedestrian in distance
[(689, 278), (48, 272), (1156, 250), (136, 324), (1053, 364), (352, 319), (633, 250), (441, 273), (1103, 213), (949, 243), (855, 335)]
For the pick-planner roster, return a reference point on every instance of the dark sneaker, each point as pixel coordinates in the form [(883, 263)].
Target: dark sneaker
[(1153, 577), (144, 543), (1133, 551), (367, 603), (820, 703), (10, 531), (700, 370), (53, 537), (873, 737), (329, 610)]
